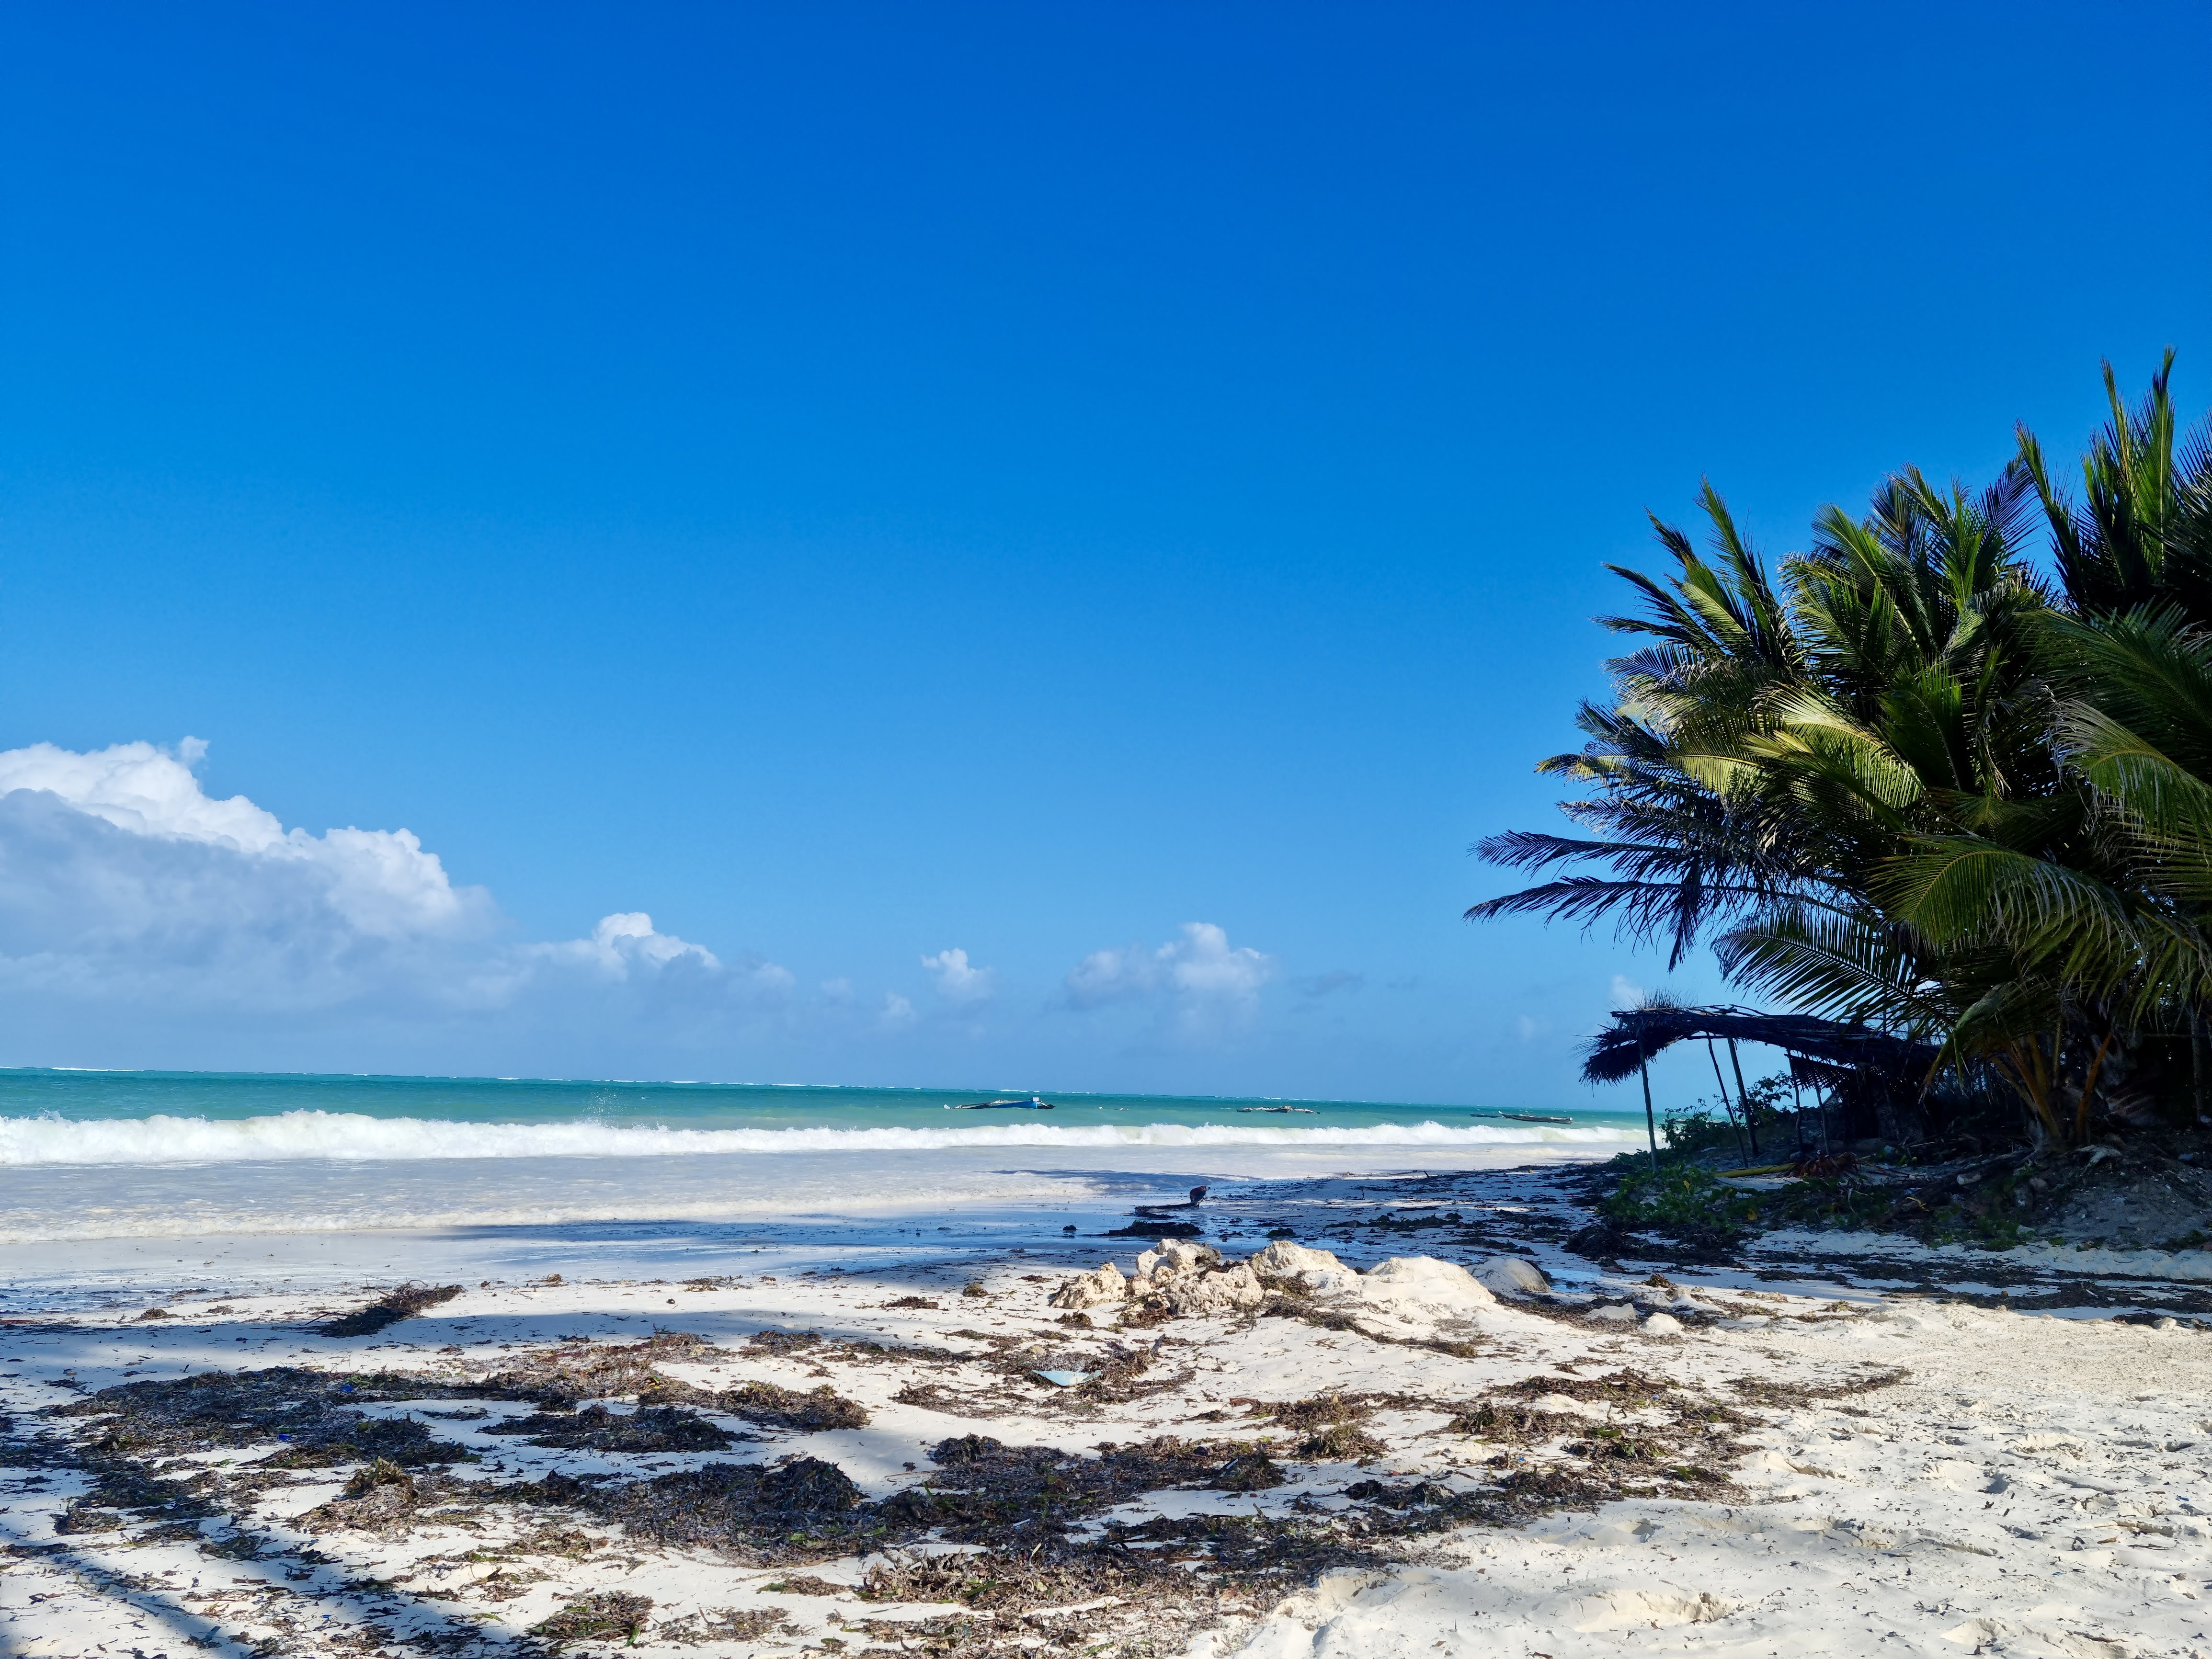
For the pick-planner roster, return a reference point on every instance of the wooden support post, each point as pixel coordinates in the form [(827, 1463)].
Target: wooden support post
[(1751, 1127), (1651, 1123), (1721, 1083)]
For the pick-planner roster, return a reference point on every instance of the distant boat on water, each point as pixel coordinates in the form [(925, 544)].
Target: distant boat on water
[(1520, 1117), (1031, 1104)]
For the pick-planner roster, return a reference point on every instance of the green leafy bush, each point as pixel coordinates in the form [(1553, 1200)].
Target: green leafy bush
[(1832, 1203), (1695, 1130), (1685, 1200)]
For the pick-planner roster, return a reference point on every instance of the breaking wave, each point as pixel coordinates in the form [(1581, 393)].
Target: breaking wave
[(355, 1137)]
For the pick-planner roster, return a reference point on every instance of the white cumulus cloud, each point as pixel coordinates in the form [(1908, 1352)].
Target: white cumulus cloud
[(124, 883), (626, 941), (957, 980), (380, 883), (1200, 985)]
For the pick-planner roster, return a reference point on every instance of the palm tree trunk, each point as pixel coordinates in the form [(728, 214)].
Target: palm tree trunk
[(2089, 1087), (2023, 1063), (2197, 1060)]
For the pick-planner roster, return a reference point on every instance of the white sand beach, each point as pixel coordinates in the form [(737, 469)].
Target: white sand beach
[(846, 1450), (1072, 831)]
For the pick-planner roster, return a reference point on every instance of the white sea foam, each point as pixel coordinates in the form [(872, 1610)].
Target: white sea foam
[(350, 1136)]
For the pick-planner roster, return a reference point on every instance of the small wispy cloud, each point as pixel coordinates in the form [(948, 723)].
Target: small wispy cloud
[(1627, 993), (1201, 987)]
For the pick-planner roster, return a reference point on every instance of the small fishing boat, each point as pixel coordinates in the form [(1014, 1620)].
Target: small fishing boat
[(1032, 1104), (1520, 1117)]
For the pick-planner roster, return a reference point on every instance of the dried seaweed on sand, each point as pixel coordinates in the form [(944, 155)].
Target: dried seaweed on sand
[(649, 1428), (405, 1302), (608, 1613), (810, 1410)]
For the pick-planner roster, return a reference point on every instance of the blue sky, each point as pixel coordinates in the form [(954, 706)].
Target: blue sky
[(859, 482)]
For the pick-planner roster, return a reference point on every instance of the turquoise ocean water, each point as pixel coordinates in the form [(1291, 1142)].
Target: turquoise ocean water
[(125, 1154)]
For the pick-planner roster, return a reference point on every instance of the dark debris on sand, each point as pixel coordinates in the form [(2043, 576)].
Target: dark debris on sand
[(609, 1614), (648, 1429), (578, 1371), (854, 1351), (1037, 1554), (405, 1302), (809, 1411), (314, 1417), (1328, 1424)]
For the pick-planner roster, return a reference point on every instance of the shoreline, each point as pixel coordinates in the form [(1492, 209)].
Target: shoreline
[(793, 1203), (1356, 1463), (797, 1194)]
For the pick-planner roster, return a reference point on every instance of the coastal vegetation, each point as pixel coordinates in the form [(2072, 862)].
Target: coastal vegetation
[(1936, 790)]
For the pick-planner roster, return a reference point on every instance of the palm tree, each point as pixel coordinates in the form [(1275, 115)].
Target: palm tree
[(1915, 786), (1764, 755), (2117, 936), (2112, 918), (2141, 534), (1685, 853)]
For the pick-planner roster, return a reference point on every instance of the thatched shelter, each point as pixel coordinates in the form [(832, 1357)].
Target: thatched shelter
[(1874, 1078)]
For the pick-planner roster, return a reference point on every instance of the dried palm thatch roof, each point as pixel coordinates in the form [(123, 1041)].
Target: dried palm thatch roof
[(1637, 1034)]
